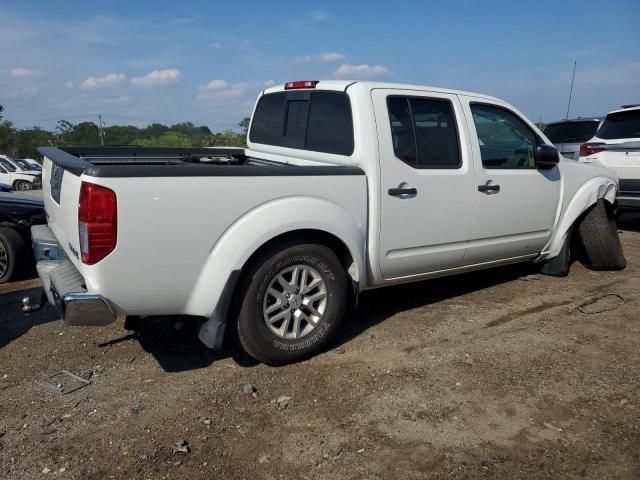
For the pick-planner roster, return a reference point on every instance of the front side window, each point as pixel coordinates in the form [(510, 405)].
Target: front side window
[(424, 132), (318, 121), (620, 125), (505, 140)]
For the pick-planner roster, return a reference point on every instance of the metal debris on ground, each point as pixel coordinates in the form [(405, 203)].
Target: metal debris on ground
[(603, 303), (530, 278), (65, 382), (182, 447)]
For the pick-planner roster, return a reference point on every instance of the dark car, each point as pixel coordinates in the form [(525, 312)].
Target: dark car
[(18, 212), (568, 135)]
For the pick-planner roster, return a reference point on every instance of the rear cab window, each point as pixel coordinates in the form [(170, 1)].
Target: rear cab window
[(319, 121), (625, 124)]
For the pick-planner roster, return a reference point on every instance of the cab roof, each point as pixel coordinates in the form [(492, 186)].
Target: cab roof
[(342, 85)]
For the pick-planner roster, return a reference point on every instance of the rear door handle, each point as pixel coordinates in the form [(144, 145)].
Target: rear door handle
[(489, 188), (403, 192)]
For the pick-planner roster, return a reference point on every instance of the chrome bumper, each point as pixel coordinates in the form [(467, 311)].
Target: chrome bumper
[(64, 286)]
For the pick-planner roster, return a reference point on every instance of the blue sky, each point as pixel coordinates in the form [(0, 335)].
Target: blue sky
[(146, 61)]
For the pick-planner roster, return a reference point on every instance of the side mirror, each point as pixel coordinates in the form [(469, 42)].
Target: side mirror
[(545, 157)]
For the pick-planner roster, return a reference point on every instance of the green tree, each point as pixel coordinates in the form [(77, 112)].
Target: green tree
[(167, 139), (244, 124), (1, 110)]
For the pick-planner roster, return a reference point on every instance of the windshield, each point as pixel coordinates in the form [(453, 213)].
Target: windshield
[(571, 132), (621, 125), (22, 164), (6, 164)]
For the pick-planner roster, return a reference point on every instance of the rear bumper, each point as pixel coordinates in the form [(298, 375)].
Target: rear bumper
[(64, 286)]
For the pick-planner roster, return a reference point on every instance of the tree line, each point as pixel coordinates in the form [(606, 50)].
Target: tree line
[(23, 143)]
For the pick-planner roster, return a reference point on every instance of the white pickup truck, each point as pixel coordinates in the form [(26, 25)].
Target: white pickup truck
[(344, 187)]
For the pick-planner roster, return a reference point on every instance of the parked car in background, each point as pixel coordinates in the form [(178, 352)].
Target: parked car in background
[(345, 186), (19, 164), (568, 135), (17, 179), (18, 213), (616, 145), (33, 164)]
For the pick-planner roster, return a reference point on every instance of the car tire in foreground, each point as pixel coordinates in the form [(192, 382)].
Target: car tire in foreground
[(291, 302), (599, 235), (12, 247)]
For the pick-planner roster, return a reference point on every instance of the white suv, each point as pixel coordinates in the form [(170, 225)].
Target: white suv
[(617, 145)]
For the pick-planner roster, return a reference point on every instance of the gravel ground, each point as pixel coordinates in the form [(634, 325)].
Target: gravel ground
[(495, 374)]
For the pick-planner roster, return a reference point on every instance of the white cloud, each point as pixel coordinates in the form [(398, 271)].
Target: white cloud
[(347, 70), (157, 78), (321, 57), (20, 72), (222, 89), (214, 85), (108, 81), (25, 92), (319, 16), (269, 83)]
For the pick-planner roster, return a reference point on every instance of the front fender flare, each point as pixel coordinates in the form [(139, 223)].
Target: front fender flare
[(587, 195)]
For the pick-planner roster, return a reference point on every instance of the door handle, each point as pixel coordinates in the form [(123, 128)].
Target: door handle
[(403, 192), (488, 189)]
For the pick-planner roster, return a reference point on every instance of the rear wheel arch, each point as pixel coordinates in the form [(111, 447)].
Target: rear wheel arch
[(312, 236)]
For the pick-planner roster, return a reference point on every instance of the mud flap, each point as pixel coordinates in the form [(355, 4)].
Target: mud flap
[(559, 266)]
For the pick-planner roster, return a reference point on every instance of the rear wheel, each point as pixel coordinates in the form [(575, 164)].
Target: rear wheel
[(291, 303), (21, 185), (12, 248), (599, 235)]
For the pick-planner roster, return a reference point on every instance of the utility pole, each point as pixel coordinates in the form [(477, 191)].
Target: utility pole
[(100, 125), (571, 89)]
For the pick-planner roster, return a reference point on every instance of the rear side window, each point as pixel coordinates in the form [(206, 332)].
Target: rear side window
[(318, 121), (424, 132), (571, 132), (621, 125)]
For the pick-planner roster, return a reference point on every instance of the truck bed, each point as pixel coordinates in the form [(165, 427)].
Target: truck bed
[(127, 161)]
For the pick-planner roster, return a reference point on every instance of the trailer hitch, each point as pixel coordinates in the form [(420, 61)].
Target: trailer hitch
[(28, 307)]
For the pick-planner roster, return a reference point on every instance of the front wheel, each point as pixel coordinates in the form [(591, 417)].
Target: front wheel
[(599, 235), (21, 185), (292, 301)]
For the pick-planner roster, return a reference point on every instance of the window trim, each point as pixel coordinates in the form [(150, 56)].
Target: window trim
[(299, 95), (537, 137), (415, 137)]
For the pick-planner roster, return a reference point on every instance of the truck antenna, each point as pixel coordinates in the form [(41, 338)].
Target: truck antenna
[(573, 77)]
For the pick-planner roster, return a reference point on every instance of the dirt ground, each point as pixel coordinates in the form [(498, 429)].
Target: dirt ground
[(496, 374)]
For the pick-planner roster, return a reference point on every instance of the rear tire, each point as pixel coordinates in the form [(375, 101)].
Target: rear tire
[(290, 303), (599, 235), (12, 247)]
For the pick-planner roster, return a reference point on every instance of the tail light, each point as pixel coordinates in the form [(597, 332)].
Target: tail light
[(97, 222), (587, 149), (300, 84)]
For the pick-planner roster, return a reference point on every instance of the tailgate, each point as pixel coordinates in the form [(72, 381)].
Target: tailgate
[(61, 194), (623, 158)]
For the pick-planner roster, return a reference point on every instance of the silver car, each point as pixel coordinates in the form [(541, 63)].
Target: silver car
[(568, 135)]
